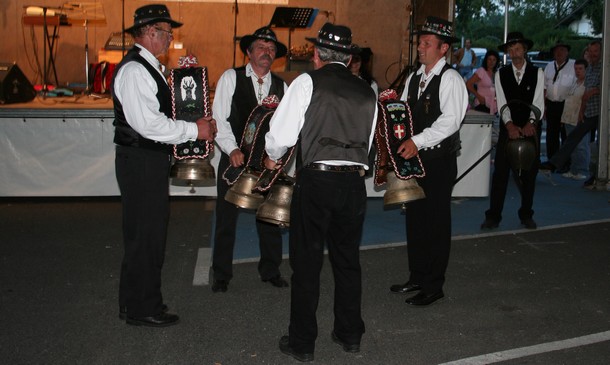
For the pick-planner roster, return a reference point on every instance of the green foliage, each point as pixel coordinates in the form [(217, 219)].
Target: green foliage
[(536, 19)]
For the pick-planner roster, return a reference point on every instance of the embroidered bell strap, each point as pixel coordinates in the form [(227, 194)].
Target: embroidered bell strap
[(382, 162), (190, 101), (396, 126), (252, 143), (270, 177)]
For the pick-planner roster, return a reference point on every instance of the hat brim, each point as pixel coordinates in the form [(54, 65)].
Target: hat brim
[(173, 23), (529, 43), (247, 40), (561, 45), (351, 50), (444, 38)]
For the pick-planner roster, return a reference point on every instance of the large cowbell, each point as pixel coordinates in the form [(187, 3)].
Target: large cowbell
[(276, 207), (191, 101), (242, 179), (394, 126), (522, 152)]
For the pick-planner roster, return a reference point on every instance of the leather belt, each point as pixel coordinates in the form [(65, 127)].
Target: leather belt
[(334, 168)]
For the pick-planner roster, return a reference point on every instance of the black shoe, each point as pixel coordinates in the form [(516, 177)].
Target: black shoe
[(123, 311), (547, 167), (347, 347), (423, 299), (220, 286), (529, 223), (404, 288), (490, 223), (277, 281), (285, 348), (160, 320)]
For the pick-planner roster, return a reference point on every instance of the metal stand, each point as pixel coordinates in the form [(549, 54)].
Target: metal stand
[(292, 18), (88, 87)]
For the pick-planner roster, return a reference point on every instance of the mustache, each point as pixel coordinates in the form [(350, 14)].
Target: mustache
[(266, 57)]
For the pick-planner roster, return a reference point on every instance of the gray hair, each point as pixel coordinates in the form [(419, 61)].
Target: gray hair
[(329, 55)]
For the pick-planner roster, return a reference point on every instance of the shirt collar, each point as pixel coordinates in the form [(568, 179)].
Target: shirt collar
[(150, 58), (438, 67), (250, 72), (522, 69)]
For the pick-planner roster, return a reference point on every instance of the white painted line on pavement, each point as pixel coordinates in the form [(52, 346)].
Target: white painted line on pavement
[(532, 350), (201, 275)]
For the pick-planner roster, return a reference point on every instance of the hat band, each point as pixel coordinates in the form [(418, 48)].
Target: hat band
[(334, 44), (442, 31), (269, 38)]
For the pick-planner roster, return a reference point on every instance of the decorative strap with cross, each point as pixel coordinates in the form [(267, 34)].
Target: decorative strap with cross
[(394, 126)]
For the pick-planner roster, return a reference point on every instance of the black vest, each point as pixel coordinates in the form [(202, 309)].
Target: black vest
[(524, 91), (425, 111), (124, 135), (339, 118), (244, 100)]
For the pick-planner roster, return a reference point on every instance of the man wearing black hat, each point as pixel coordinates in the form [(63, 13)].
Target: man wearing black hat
[(144, 135), (238, 92), (588, 118), (438, 99), (559, 78), (519, 86), (331, 114)]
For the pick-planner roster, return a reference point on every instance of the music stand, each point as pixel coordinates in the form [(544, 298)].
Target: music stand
[(89, 13), (292, 18)]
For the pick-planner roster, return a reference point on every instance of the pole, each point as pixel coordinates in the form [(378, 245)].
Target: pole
[(604, 115)]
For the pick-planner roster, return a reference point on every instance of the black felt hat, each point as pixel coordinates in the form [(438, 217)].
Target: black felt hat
[(335, 37), (150, 14), (515, 37), (264, 33), (439, 27), (560, 44)]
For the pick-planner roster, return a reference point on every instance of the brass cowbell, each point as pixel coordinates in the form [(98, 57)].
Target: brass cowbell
[(193, 171), (276, 207), (241, 193), (401, 191)]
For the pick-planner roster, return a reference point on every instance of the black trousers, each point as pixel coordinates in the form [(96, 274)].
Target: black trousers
[(526, 181), (428, 223), (269, 236), (327, 208), (142, 176), (589, 124), (555, 131)]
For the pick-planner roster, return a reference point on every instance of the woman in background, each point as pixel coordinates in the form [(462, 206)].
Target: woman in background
[(359, 66), (481, 84)]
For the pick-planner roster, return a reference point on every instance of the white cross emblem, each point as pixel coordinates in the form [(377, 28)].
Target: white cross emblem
[(399, 131)]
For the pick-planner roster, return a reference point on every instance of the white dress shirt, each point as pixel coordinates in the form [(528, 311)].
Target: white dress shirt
[(453, 97), (289, 117), (560, 89), (136, 89), (538, 93), (221, 108)]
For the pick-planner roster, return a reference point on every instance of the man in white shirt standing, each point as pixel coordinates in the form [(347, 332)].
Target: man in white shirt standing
[(144, 135), (559, 79), (330, 113), (438, 99), (520, 85), (238, 92)]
